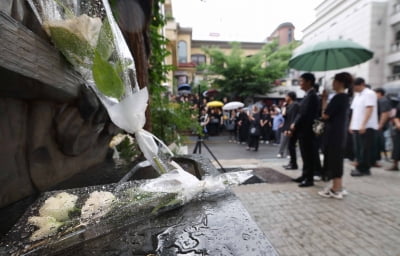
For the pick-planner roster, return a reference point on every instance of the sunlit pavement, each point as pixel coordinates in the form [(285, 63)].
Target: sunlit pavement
[(298, 221)]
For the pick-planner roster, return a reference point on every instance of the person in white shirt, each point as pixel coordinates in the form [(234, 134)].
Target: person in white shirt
[(363, 125)]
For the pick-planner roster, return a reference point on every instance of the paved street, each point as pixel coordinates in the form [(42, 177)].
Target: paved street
[(299, 222)]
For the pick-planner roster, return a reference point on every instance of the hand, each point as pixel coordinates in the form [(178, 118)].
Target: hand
[(362, 130), (350, 131)]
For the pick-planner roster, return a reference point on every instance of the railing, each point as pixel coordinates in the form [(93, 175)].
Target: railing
[(393, 77), (395, 47)]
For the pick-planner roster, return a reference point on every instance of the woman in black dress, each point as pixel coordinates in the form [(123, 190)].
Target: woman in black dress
[(396, 141), (335, 134), (265, 123), (254, 129), (243, 126)]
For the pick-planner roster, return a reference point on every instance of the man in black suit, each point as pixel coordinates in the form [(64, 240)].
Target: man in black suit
[(291, 113), (302, 125)]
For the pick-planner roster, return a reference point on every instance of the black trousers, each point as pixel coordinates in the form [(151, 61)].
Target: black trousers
[(292, 149), (253, 141), (364, 150), (310, 155)]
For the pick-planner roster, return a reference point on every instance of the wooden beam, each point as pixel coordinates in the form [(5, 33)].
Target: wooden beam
[(25, 53)]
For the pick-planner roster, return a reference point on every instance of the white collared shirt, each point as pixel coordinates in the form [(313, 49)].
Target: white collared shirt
[(361, 101)]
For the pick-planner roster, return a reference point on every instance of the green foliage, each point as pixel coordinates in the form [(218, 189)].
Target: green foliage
[(106, 77), (168, 119), (73, 47), (127, 150), (80, 53), (105, 44), (245, 76)]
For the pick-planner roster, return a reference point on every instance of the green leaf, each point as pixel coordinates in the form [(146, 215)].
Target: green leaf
[(107, 78), (105, 44), (73, 47)]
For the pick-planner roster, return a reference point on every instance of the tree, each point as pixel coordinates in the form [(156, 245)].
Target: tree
[(244, 76), (168, 119)]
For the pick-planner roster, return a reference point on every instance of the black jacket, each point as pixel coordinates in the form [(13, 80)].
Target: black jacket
[(308, 112), (291, 114)]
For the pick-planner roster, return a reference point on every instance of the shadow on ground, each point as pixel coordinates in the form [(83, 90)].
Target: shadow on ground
[(264, 175)]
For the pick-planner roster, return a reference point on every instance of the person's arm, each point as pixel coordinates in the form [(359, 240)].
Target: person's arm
[(384, 118), (367, 116), (324, 101), (282, 122), (325, 116), (206, 119), (396, 122)]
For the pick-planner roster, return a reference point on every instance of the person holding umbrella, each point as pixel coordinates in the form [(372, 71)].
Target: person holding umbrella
[(308, 112)]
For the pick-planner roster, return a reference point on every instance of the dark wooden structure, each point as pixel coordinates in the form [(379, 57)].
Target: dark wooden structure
[(51, 126)]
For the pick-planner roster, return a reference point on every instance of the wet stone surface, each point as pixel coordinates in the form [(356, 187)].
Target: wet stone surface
[(217, 225), (210, 224)]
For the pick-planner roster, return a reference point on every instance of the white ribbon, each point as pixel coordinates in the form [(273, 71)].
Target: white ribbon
[(129, 115)]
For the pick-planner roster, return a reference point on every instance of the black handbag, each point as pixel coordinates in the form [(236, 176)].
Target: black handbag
[(254, 131)]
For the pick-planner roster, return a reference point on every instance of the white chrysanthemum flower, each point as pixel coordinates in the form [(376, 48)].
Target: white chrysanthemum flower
[(47, 226), (85, 27), (58, 206), (117, 139), (97, 205)]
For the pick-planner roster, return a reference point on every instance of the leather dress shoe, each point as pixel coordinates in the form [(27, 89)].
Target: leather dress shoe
[(291, 167), (306, 183), (299, 179)]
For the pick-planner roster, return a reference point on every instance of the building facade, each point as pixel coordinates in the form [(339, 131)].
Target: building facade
[(392, 61), (187, 54), (361, 21), (284, 34)]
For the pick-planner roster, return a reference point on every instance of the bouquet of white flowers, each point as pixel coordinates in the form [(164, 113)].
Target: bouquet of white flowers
[(88, 36)]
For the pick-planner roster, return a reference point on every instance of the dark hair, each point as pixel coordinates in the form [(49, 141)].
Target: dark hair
[(309, 77), (359, 81), (380, 90), (292, 95), (344, 78)]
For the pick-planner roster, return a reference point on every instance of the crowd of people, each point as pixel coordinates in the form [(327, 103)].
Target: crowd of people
[(358, 124)]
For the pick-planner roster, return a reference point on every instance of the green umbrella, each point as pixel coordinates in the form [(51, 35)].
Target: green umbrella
[(330, 55)]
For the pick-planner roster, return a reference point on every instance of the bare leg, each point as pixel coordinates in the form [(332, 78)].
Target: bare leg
[(337, 184)]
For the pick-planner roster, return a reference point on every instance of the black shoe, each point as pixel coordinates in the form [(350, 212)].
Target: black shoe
[(357, 173), (306, 183), (291, 167), (299, 179)]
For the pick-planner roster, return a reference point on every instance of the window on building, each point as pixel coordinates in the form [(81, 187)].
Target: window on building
[(199, 59), (398, 36), (396, 69), (290, 35), (182, 52)]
